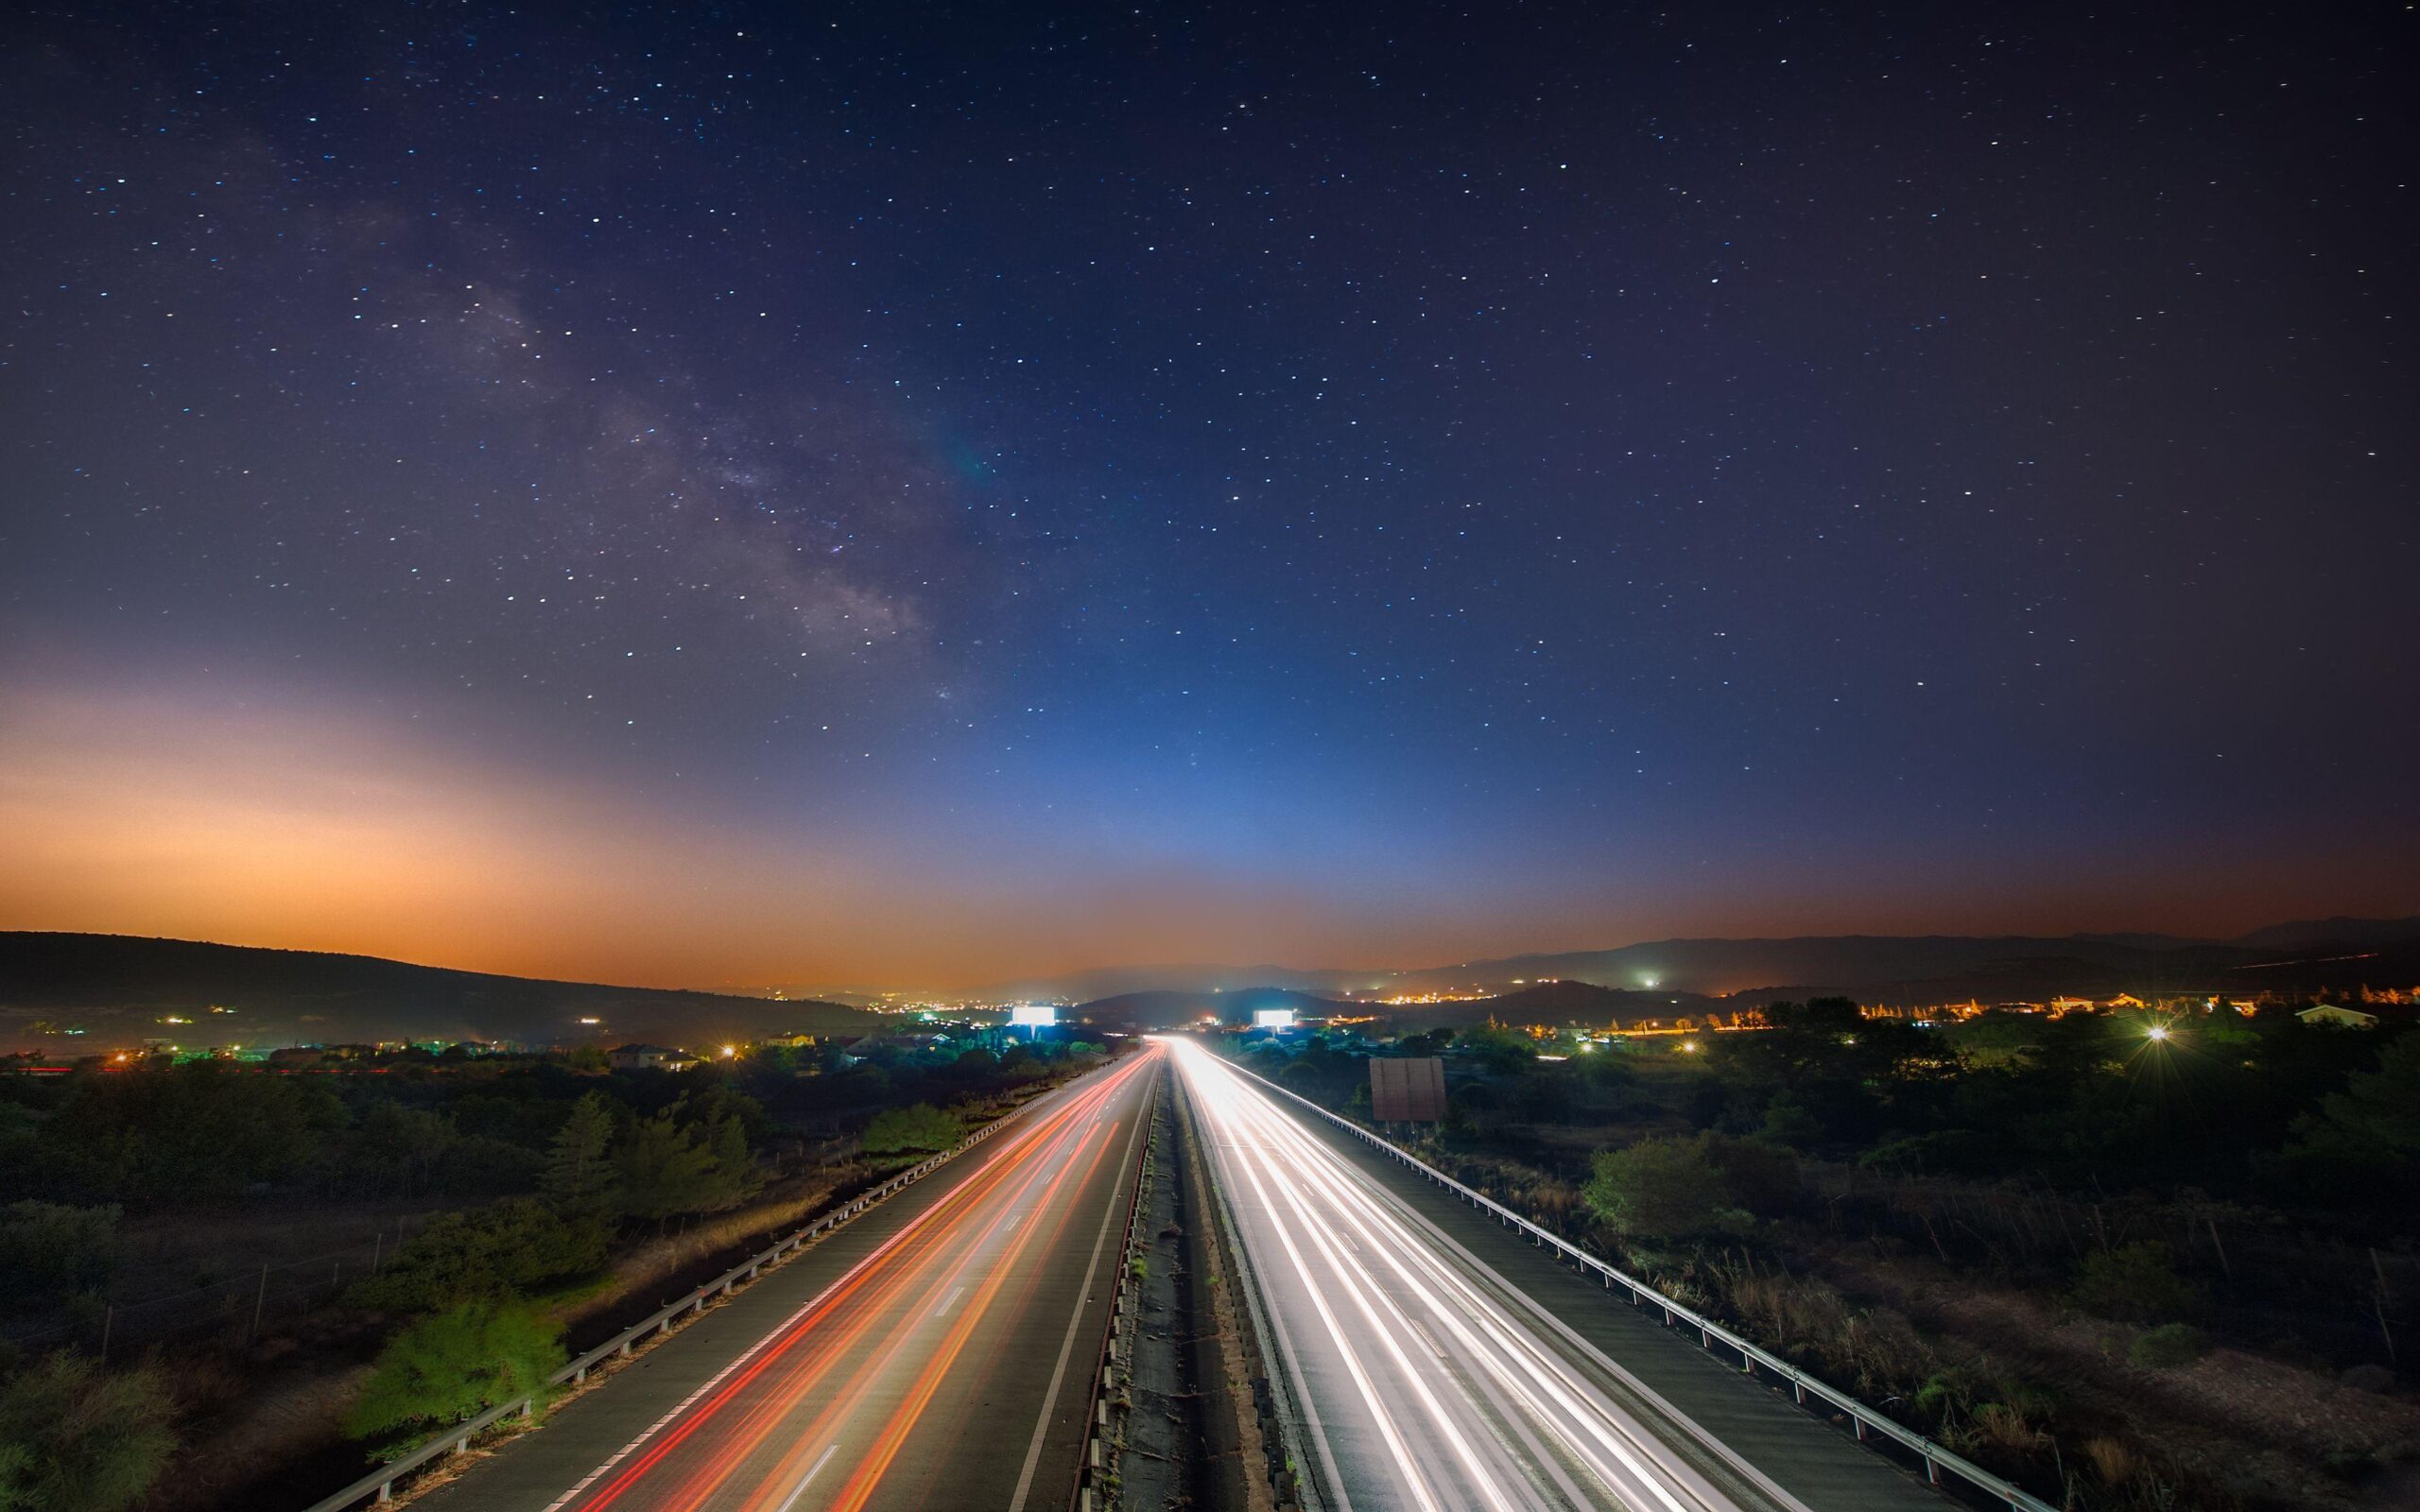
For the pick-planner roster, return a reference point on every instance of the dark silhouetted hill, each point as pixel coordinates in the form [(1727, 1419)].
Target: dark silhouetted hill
[(2358, 933), (117, 988), (2320, 955), (1140, 1012)]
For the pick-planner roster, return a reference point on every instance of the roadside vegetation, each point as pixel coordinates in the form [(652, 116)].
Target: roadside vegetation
[(2128, 1269), (505, 1201)]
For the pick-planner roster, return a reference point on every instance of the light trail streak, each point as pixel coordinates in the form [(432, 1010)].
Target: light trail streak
[(809, 1478), (873, 1324), (861, 1485), (1453, 1390)]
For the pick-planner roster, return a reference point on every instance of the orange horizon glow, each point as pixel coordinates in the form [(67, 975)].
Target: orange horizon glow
[(318, 826)]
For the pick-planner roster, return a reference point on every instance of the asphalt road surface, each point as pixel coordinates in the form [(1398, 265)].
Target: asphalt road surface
[(935, 1353), (1431, 1379)]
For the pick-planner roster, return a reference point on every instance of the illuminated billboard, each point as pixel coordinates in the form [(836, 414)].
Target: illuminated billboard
[(1032, 1016), (1273, 1017)]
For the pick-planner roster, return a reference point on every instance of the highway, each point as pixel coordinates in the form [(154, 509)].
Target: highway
[(935, 1353), (1429, 1381)]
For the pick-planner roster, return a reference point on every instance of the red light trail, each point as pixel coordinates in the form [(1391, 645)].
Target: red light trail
[(867, 1356)]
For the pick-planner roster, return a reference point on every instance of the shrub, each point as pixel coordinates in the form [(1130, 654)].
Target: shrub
[(2134, 1283), (448, 1368), (49, 1249), (2168, 1346), (493, 1253), (1664, 1189), (1763, 1177), (923, 1128), (77, 1439), (1789, 1122)]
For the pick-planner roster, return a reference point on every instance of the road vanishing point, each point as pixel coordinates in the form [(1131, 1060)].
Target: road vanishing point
[(939, 1352)]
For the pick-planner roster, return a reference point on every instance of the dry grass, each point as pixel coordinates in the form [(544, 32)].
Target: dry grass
[(1873, 1351), (2113, 1459)]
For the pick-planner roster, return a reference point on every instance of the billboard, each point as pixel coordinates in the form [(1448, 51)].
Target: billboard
[(1407, 1091), (1032, 1016), (1273, 1017)]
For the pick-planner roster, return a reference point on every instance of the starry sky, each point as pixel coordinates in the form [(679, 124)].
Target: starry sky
[(906, 493)]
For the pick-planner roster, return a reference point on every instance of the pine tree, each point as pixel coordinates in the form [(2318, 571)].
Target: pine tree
[(579, 1175), (737, 1177), (663, 1170)]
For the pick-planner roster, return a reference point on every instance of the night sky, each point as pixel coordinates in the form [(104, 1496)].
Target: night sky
[(895, 493)]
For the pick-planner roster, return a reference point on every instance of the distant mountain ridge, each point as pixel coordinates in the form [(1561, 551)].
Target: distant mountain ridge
[(118, 987), (1874, 967)]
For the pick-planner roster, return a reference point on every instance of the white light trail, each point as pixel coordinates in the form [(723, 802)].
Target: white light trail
[(1452, 1390)]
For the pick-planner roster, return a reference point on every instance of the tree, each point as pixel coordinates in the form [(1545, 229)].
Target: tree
[(450, 1367), (735, 1176), (182, 1134), (1788, 1121), (1664, 1189), (2375, 1120), (1500, 1051), (921, 1129), (396, 1149), (75, 1437), (664, 1169), (502, 1250), (579, 1174)]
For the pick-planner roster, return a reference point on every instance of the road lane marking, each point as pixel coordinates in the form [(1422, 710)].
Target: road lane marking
[(876, 1312), (954, 1294), (1066, 1345), (801, 1489), (905, 1419)]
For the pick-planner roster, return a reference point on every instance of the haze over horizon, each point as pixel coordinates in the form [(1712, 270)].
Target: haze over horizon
[(727, 498)]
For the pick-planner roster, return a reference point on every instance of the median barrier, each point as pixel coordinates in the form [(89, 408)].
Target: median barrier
[(1275, 1408), (1088, 1493)]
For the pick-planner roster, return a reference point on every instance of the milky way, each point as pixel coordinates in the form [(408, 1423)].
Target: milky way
[(910, 492)]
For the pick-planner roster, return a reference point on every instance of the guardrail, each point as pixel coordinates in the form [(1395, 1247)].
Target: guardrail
[(380, 1484), (1867, 1421), (1086, 1497)]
